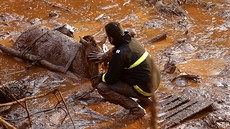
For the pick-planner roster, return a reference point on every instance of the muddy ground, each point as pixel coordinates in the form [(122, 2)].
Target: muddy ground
[(198, 45)]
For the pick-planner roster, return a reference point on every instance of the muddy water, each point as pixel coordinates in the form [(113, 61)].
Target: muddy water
[(205, 52)]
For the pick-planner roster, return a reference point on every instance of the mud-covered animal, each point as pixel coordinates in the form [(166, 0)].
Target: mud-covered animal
[(58, 49)]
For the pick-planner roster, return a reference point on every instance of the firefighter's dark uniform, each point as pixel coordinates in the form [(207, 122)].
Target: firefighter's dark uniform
[(129, 75)]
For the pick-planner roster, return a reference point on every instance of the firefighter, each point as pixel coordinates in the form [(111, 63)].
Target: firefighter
[(131, 72)]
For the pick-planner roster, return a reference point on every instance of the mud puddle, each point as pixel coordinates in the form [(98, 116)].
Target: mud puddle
[(198, 45)]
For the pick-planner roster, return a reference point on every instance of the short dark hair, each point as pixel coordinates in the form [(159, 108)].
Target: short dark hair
[(114, 29)]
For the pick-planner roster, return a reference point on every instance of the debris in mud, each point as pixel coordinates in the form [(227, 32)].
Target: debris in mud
[(157, 38), (170, 67), (99, 17), (59, 6), (226, 70), (171, 9), (174, 109), (53, 14), (5, 124), (13, 90), (209, 39), (184, 76), (58, 95), (207, 5), (184, 45), (109, 7), (153, 24), (35, 21), (7, 18)]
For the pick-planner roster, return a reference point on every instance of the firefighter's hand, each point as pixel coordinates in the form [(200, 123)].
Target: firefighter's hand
[(98, 57)]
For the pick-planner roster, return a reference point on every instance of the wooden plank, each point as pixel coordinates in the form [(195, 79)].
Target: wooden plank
[(174, 104), (176, 110), (186, 113), (168, 101)]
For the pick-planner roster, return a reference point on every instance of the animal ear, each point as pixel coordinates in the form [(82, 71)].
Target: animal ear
[(102, 41), (83, 41)]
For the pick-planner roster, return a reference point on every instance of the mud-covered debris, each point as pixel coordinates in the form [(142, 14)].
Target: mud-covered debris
[(127, 2), (157, 38), (5, 124), (99, 17), (207, 5), (13, 90), (57, 5), (6, 17), (35, 21), (170, 9), (110, 7), (175, 109), (179, 2), (53, 14), (154, 23), (170, 67), (194, 78), (226, 70)]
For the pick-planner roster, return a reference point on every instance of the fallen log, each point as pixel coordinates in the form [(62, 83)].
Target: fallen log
[(157, 38), (32, 58), (5, 124)]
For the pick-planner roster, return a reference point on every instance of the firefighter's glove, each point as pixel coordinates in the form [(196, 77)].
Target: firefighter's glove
[(98, 57), (96, 80)]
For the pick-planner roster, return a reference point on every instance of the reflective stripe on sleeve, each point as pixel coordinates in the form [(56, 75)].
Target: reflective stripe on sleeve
[(103, 77), (140, 60), (141, 91)]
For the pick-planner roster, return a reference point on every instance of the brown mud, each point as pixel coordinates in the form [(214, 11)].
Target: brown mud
[(198, 45)]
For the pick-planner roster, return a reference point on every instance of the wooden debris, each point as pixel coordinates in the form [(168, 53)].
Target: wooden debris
[(157, 38), (39, 96), (175, 109), (5, 124)]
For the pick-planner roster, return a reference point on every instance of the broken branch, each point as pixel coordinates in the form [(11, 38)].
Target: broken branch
[(27, 98), (66, 107), (39, 96), (6, 124)]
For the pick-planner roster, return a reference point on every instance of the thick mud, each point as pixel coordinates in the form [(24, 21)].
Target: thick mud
[(197, 45)]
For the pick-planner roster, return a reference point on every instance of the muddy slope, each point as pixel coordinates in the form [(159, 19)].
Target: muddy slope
[(197, 45)]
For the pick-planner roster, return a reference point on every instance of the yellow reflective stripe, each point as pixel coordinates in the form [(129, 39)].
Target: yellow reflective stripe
[(141, 91), (140, 60), (103, 77)]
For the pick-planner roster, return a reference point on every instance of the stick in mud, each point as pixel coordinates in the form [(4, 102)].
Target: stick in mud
[(157, 38), (5, 124), (39, 96)]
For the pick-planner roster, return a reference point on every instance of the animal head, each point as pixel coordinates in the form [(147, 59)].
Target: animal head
[(89, 44)]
